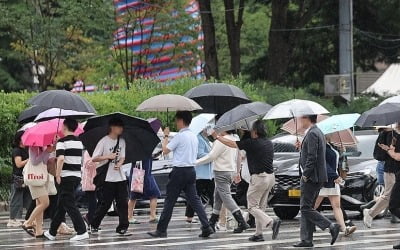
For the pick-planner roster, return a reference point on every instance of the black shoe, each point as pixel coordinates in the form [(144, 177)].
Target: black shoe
[(256, 238), (213, 220), (242, 225), (334, 229), (394, 220), (396, 246), (94, 230), (367, 205), (157, 234), (121, 231), (349, 223), (304, 243), (206, 232), (275, 228)]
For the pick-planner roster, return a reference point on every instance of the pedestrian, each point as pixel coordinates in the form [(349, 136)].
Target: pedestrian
[(69, 152), (111, 150), (260, 153), (88, 174), (204, 178), (20, 197), (184, 146), (313, 177), (394, 202), (151, 192), (331, 189), (226, 169), (390, 168)]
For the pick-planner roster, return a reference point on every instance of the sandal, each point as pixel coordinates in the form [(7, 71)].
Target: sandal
[(153, 221), (29, 230)]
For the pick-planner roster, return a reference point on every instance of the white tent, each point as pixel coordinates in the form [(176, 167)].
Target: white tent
[(388, 83)]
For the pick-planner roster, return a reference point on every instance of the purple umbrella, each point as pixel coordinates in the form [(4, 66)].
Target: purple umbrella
[(155, 124)]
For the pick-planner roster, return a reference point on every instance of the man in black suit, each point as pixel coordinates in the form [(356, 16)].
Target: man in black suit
[(313, 176)]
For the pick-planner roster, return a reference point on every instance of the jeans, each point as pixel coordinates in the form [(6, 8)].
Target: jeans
[(110, 191), (205, 189), (181, 179), (257, 197), (67, 204), (379, 172), (20, 198), (383, 201), (222, 193), (92, 204)]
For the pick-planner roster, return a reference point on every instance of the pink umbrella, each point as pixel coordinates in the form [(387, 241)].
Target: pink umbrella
[(44, 133), (341, 138)]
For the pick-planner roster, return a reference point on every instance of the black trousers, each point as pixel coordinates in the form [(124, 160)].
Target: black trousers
[(394, 203), (205, 190), (67, 204), (110, 191), (309, 216), (181, 179)]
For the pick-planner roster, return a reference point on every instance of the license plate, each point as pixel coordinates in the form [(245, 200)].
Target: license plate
[(294, 193)]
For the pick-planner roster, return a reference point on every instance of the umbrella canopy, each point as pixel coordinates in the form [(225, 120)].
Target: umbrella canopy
[(200, 122), (44, 133), (295, 108), (62, 113), (242, 116), (138, 134), (393, 99), (29, 114), (155, 124), (381, 115), (337, 123), (217, 98), (295, 125), (27, 125), (168, 102), (62, 99)]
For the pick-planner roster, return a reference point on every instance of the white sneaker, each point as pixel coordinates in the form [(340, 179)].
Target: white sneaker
[(367, 218), (14, 223), (49, 236), (79, 237), (220, 227)]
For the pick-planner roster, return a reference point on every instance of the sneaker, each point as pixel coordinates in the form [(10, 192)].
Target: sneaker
[(367, 218), (220, 227), (349, 230), (49, 236), (256, 238), (13, 223), (192, 221), (79, 237), (134, 221)]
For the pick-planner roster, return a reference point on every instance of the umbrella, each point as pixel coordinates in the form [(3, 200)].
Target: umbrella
[(337, 123), (295, 108), (62, 99), (294, 125), (200, 122), (217, 98), (381, 115), (62, 113), (26, 126), (242, 116), (29, 114), (138, 134), (155, 124), (393, 99), (44, 133)]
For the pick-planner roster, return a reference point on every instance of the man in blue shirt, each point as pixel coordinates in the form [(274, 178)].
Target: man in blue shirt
[(184, 145)]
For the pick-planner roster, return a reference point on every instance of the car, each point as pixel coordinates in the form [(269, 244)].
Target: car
[(360, 185)]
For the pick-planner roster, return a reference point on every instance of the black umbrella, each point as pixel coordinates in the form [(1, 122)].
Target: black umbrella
[(381, 115), (62, 99), (29, 114), (242, 116), (217, 98), (138, 134)]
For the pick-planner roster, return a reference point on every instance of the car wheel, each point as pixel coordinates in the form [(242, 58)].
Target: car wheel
[(378, 191), (286, 213)]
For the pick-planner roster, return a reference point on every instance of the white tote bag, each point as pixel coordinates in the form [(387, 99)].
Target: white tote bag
[(35, 175), (51, 185)]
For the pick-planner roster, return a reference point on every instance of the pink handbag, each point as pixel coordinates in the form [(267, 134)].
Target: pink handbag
[(137, 178), (88, 173)]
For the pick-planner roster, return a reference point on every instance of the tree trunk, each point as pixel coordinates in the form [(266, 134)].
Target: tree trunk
[(210, 50), (233, 28)]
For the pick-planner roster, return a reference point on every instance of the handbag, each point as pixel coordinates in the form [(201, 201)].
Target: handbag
[(35, 175), (51, 185), (18, 181), (101, 172), (138, 178)]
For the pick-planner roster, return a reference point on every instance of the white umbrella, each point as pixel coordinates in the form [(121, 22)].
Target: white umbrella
[(295, 108), (62, 113), (26, 126), (200, 122), (393, 99), (168, 102)]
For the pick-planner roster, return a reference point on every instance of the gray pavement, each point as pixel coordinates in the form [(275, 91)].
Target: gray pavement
[(185, 236)]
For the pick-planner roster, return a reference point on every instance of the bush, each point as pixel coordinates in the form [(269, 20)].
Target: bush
[(5, 179)]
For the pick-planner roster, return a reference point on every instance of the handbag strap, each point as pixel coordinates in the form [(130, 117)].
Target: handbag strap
[(115, 149)]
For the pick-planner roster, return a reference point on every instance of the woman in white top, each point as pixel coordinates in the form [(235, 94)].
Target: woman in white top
[(225, 170)]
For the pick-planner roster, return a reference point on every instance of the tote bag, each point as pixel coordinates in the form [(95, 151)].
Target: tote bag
[(51, 185), (35, 175), (137, 178)]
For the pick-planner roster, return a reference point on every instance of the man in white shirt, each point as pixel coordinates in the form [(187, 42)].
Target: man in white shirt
[(115, 185), (184, 145)]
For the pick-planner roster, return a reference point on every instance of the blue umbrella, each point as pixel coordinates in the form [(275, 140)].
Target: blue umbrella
[(337, 123), (200, 122)]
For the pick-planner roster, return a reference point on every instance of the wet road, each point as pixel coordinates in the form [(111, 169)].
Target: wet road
[(185, 236)]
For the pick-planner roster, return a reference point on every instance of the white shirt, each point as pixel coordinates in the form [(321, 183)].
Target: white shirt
[(184, 145), (105, 147)]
